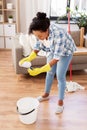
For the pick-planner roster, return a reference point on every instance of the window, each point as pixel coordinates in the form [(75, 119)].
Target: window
[(81, 4), (58, 7)]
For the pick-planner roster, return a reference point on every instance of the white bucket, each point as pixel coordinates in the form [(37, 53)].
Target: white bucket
[(27, 108)]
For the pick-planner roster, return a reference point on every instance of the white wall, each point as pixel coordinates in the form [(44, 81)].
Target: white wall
[(22, 16)]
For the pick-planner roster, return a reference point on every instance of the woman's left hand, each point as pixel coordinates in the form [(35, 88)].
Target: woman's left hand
[(37, 71), (34, 72)]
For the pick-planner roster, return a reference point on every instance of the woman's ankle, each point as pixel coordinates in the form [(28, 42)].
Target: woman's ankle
[(60, 102), (45, 95)]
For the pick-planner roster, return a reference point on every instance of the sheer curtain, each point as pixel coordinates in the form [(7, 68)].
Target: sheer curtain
[(58, 7), (81, 4), (28, 10), (34, 6)]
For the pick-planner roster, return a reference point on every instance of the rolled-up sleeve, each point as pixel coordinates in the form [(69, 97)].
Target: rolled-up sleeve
[(37, 46), (40, 46)]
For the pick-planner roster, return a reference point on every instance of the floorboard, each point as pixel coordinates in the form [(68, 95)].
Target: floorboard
[(13, 88)]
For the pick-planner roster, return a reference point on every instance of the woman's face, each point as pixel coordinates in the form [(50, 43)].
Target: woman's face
[(41, 35)]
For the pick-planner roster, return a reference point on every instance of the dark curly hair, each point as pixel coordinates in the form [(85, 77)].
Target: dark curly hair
[(39, 23)]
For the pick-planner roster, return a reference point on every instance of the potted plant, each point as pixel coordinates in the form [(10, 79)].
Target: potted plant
[(10, 19), (63, 17), (80, 18)]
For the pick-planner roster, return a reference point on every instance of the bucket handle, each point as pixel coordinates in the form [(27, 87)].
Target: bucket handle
[(25, 113)]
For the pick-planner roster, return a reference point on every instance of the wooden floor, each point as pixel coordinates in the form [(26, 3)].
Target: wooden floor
[(13, 88)]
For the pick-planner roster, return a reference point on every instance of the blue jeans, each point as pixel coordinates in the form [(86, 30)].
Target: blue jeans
[(60, 70)]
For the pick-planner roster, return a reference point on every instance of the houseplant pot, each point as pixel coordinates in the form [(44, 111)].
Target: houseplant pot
[(10, 19)]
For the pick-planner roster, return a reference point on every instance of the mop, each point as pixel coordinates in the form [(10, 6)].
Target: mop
[(72, 86)]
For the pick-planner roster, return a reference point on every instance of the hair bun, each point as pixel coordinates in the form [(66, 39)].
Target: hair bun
[(41, 15)]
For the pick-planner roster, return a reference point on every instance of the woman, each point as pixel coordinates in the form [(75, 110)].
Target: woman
[(60, 51)]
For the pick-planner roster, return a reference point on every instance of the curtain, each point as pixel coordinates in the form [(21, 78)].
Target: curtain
[(81, 4), (28, 10), (34, 6), (58, 8)]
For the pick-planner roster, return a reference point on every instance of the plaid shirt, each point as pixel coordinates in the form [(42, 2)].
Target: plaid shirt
[(61, 43)]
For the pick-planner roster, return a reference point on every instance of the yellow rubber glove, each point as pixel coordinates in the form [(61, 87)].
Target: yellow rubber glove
[(37, 71), (29, 58)]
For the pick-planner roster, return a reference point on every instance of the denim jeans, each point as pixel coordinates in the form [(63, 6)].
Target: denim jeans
[(60, 69)]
